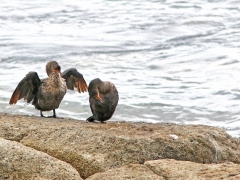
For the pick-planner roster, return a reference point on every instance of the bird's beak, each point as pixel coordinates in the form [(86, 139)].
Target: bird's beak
[(98, 97)]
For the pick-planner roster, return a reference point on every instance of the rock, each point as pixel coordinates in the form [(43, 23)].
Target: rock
[(20, 162), (185, 170), (171, 170), (132, 171), (94, 147)]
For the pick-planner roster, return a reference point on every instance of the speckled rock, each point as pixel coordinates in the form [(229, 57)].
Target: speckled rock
[(185, 170), (19, 162), (169, 169), (93, 147), (129, 172)]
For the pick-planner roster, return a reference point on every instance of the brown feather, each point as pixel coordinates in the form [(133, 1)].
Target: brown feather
[(15, 97), (85, 84), (77, 86), (81, 85), (85, 87)]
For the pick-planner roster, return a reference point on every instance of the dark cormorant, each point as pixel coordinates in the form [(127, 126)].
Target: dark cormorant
[(103, 99)]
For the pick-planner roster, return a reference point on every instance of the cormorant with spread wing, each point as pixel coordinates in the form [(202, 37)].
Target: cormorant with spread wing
[(46, 94)]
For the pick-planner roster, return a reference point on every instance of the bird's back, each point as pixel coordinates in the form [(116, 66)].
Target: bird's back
[(50, 93), (103, 108)]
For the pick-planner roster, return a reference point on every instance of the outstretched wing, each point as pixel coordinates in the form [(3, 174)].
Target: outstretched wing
[(75, 79), (27, 88)]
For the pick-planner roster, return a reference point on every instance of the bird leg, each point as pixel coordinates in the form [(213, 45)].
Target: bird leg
[(54, 113), (41, 114), (53, 116)]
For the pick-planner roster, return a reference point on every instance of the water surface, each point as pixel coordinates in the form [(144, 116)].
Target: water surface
[(171, 61)]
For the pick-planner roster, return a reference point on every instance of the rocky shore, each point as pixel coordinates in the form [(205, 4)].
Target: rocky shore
[(42, 148)]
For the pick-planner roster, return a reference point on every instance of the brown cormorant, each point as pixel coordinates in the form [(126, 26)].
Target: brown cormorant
[(46, 94)]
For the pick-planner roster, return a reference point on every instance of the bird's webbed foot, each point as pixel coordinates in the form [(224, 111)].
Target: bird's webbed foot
[(51, 116)]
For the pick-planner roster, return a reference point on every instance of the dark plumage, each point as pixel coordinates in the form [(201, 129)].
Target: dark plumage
[(46, 94), (103, 99)]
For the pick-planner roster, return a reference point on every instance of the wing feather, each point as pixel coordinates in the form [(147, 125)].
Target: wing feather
[(74, 79), (27, 88)]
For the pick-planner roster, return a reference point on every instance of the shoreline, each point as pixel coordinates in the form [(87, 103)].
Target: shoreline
[(100, 150)]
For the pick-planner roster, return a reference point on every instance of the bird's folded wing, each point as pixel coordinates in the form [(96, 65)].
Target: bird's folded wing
[(75, 79), (27, 88)]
